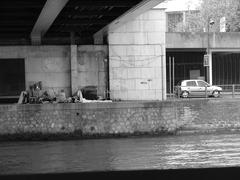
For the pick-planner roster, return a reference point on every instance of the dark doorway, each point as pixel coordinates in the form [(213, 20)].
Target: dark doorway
[(188, 64), (225, 68), (12, 79)]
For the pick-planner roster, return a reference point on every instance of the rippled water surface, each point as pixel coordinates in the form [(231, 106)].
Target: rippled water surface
[(189, 151)]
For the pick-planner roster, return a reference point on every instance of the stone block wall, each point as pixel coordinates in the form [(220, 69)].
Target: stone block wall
[(137, 58), (106, 119)]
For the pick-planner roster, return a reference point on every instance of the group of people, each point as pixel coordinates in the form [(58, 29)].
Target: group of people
[(35, 95)]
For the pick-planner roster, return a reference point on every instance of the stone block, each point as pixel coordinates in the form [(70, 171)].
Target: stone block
[(121, 38), (154, 62), (142, 84), (121, 29), (155, 14), (134, 73), (147, 50), (123, 95), (140, 38), (111, 74), (114, 61), (128, 84), (153, 26), (127, 62), (156, 84), (119, 73), (160, 50), (148, 94), (143, 61), (155, 37), (115, 85), (140, 50), (134, 95), (133, 26), (158, 72), (134, 50), (147, 73), (117, 50)]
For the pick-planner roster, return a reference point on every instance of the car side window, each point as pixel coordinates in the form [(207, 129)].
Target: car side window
[(202, 84), (191, 83)]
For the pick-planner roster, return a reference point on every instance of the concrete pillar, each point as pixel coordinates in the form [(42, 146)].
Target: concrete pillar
[(36, 39), (137, 58), (210, 68), (74, 72), (98, 38)]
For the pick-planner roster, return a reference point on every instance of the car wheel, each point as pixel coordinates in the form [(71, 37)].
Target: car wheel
[(216, 94), (185, 94)]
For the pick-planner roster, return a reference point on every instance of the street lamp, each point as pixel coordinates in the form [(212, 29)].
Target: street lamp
[(210, 22)]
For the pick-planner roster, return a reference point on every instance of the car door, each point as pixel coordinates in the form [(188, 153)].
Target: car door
[(202, 88), (192, 88)]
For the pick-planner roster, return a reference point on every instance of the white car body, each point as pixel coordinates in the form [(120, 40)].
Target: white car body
[(196, 87)]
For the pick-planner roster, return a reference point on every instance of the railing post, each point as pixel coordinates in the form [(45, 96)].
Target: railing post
[(178, 91), (205, 91), (233, 90)]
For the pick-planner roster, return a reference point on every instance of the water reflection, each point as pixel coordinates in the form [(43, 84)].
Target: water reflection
[(120, 154)]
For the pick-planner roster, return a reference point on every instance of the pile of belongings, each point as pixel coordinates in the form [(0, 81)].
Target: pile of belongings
[(36, 95)]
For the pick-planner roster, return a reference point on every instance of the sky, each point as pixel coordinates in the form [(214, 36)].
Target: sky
[(179, 5)]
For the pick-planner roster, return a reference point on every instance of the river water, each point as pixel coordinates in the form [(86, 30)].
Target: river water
[(138, 153)]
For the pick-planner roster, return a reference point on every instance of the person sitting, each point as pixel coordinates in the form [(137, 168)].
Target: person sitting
[(24, 98), (78, 97), (61, 98), (45, 97)]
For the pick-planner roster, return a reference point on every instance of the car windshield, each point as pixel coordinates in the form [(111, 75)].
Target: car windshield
[(202, 83)]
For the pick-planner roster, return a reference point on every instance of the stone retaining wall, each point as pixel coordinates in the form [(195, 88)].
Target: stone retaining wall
[(120, 118)]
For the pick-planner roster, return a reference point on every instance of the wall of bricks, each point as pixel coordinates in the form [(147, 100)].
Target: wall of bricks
[(116, 118)]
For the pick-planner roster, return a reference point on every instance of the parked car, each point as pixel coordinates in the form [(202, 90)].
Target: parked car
[(192, 87)]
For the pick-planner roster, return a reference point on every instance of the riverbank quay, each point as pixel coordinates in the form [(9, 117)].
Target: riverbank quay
[(118, 119)]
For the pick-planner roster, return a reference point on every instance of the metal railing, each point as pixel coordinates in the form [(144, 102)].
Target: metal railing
[(228, 91)]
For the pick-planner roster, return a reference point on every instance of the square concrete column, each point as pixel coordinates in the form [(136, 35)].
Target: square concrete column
[(74, 72), (137, 62)]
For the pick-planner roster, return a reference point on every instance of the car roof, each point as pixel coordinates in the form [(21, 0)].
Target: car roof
[(193, 80)]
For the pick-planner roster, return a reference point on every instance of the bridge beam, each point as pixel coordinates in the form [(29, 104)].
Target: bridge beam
[(47, 16), (140, 8)]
